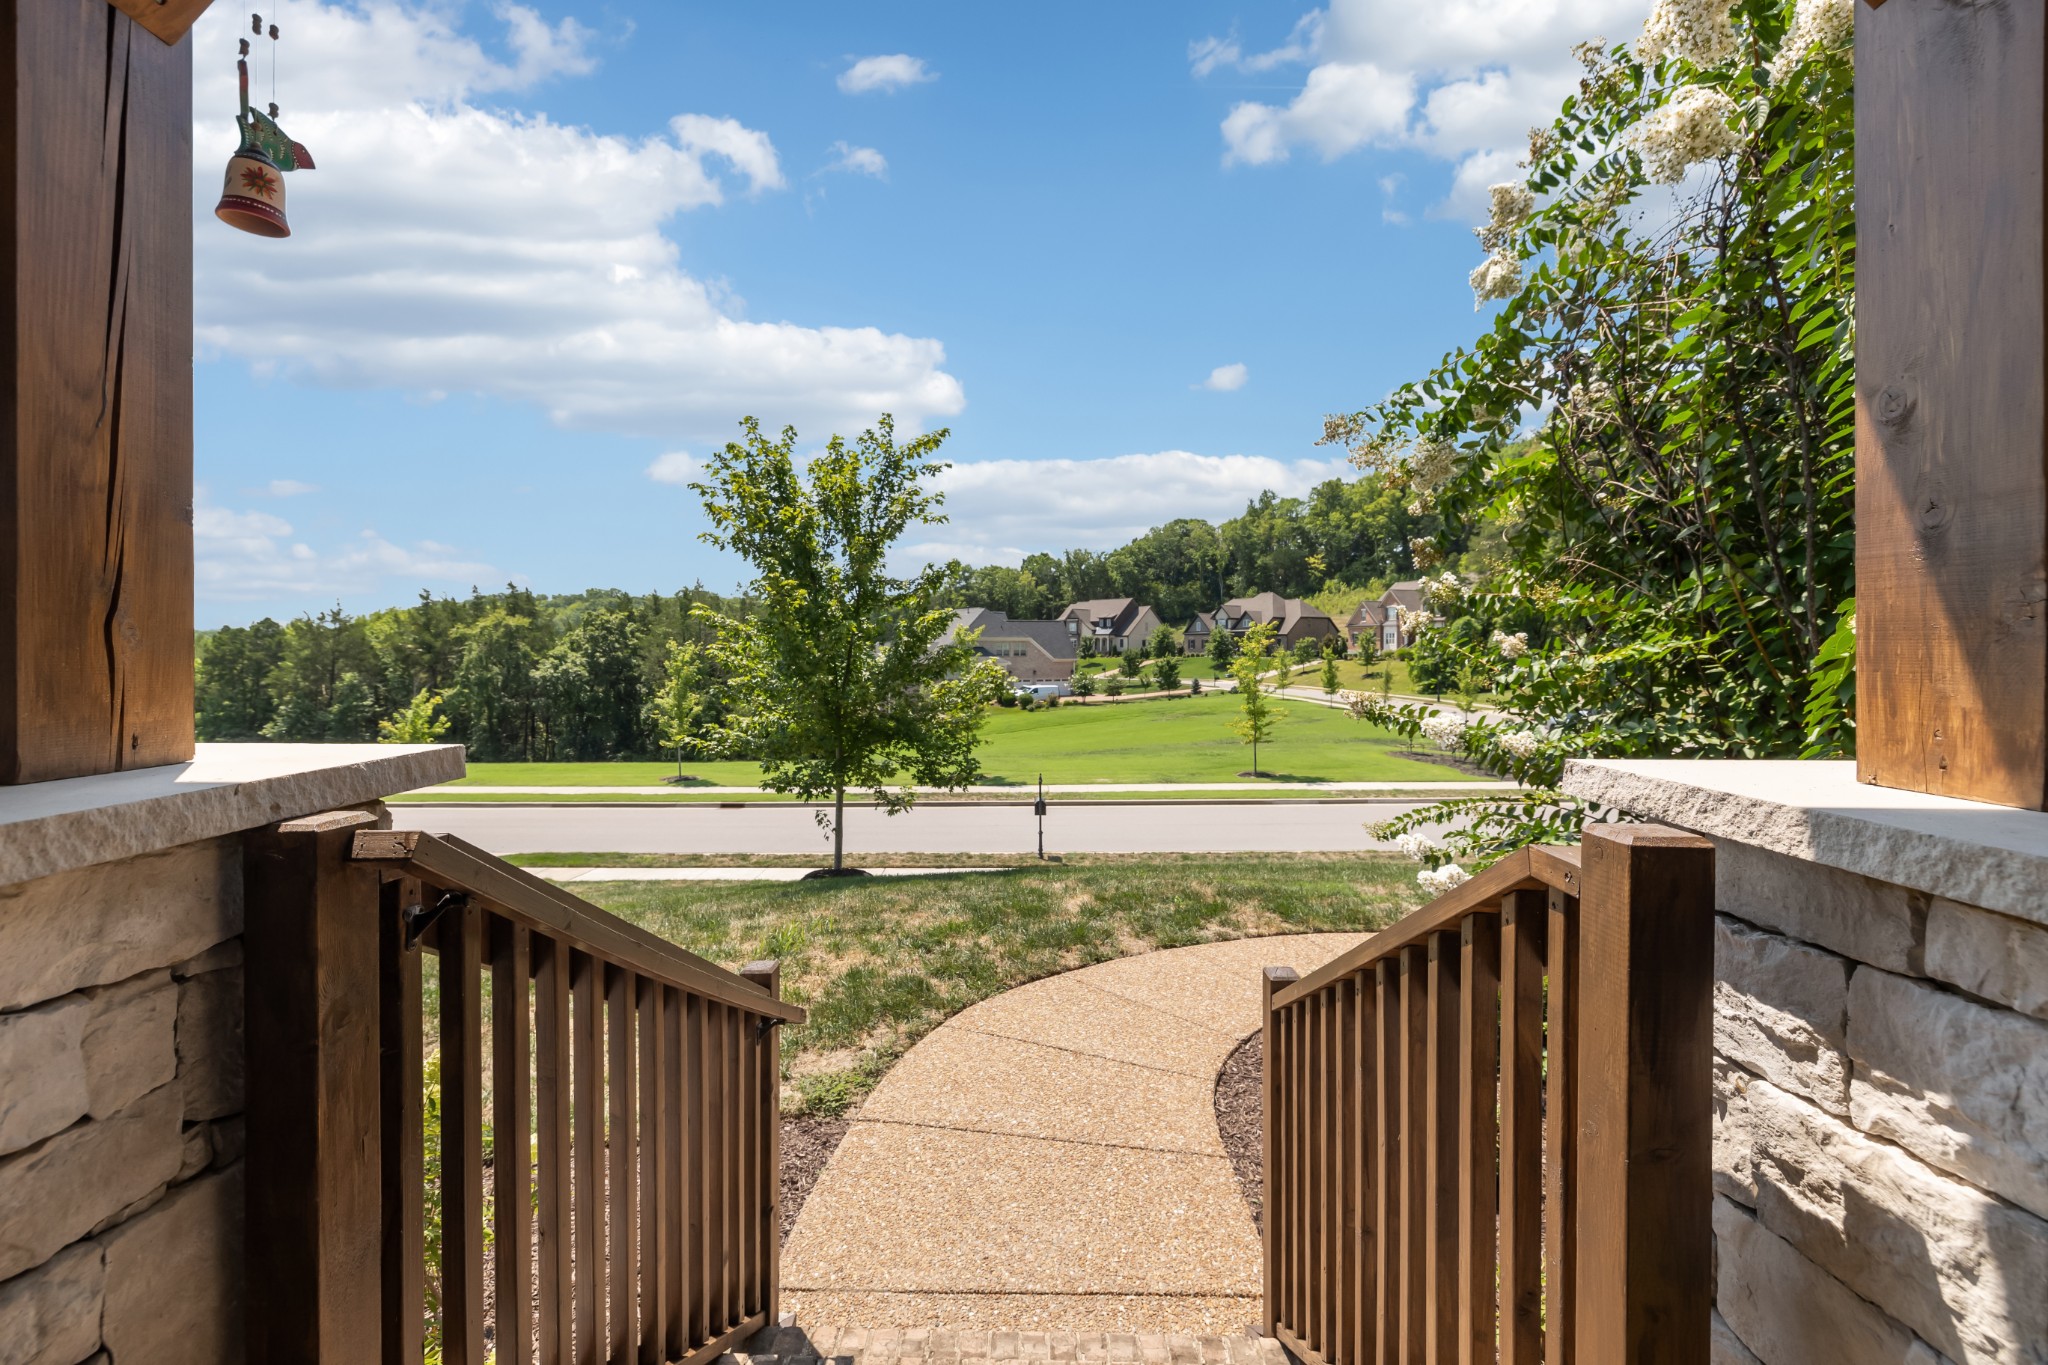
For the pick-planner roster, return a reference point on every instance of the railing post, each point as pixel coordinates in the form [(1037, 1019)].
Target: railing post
[(1645, 1023), (768, 976), (1275, 979), (312, 1001)]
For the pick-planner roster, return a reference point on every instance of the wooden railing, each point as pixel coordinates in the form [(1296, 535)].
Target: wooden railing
[(1488, 1128), (605, 1123)]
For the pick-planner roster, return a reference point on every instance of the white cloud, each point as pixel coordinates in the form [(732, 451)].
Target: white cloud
[(858, 161), (1001, 510), (248, 556), (1226, 379), (887, 74), (1463, 80), (289, 488), (447, 246), (678, 467)]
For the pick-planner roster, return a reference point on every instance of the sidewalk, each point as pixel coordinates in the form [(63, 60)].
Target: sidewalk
[(1022, 793)]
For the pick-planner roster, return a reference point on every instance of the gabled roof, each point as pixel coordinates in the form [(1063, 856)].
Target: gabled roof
[(1051, 636), (1369, 614), (1121, 613), (1407, 594), (1284, 612)]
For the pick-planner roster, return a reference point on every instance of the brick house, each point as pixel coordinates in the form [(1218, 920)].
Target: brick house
[(1295, 619), (1113, 625), (1032, 651)]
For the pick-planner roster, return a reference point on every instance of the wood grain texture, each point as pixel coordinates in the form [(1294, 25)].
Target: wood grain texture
[(621, 1184), (462, 1137), (168, 20), (1560, 1130), (654, 1174), (586, 1160), (552, 1091), (1644, 1271), (768, 976), (313, 994), (95, 394), (1951, 421), (512, 1119), (402, 1089), (1478, 1136), (1441, 1137), (1522, 920)]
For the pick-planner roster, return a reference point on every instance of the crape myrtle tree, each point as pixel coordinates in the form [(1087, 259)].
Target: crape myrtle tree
[(840, 678), (1661, 414)]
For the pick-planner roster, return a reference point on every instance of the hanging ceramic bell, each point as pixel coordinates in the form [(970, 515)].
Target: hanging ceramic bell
[(253, 197)]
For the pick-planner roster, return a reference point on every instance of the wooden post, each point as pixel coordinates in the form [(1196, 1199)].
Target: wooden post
[(1645, 1103), (95, 390), (768, 976), (1274, 980), (1951, 422), (313, 999)]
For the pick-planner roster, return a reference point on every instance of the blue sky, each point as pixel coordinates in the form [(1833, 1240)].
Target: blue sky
[(552, 254)]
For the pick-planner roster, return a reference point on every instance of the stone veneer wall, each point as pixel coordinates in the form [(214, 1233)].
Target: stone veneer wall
[(1881, 1122), (120, 1112)]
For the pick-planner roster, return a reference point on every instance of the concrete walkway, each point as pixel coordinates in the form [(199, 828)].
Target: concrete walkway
[(1048, 1160)]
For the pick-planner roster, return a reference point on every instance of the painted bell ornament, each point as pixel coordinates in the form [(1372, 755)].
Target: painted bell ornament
[(252, 198)]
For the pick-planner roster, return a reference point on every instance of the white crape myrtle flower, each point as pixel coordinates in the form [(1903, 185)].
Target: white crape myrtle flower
[(1694, 126), (1590, 399), (1438, 880), (1444, 730), (1817, 25), (1511, 646), (1512, 204), (1416, 846), (1700, 31), (1520, 743), (1499, 276)]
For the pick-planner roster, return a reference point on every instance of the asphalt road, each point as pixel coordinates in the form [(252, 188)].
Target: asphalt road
[(1074, 827)]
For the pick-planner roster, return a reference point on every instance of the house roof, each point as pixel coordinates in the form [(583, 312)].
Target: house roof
[(1407, 594), (1121, 612), (1051, 636), (1284, 612), (1369, 614)]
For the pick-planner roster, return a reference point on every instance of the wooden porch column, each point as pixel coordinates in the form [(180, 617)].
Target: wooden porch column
[(1951, 422), (95, 387)]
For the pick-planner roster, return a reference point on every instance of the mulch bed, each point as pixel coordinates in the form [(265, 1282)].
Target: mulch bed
[(1240, 1104), (807, 1144)]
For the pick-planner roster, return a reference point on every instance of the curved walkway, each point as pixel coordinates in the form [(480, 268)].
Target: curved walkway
[(1048, 1160)]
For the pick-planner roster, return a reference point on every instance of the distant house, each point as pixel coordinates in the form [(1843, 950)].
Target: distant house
[(1406, 596), (1368, 622), (1032, 651), (1294, 619), (1112, 624)]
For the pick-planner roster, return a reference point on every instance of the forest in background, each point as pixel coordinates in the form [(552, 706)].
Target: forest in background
[(578, 677)]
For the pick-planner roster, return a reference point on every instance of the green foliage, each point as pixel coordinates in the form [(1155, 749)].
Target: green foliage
[(1222, 647), (839, 678), (1114, 687), (1330, 678), (678, 705), (1166, 673), (1831, 697), (1681, 519), (1164, 644), (1128, 664), (1257, 715), (1084, 684), (419, 722)]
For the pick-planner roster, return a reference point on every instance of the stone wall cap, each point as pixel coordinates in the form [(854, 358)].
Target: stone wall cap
[(1990, 856), (51, 827)]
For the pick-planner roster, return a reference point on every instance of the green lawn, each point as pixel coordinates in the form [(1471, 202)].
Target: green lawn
[(880, 962), (1185, 739)]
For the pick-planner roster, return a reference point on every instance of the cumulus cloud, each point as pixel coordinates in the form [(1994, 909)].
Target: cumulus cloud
[(445, 245), (289, 488), (886, 74), (1226, 379), (1001, 510), (677, 467), (858, 161), (241, 556), (1463, 80)]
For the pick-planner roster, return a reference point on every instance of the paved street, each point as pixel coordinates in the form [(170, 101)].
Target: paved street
[(1178, 827)]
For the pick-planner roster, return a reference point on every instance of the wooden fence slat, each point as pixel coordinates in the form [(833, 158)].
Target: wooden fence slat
[(402, 1087), (511, 1144), (731, 1203), (1446, 1002), (697, 1171), (621, 1188), (1521, 1132), (717, 1316), (1478, 1136), (1364, 1109), (1414, 1154), (1344, 1272), (676, 1161), (552, 1092), (1560, 1130), (768, 1114), (462, 1137), (654, 1174), (1304, 1167), (1273, 1143), (1315, 1183), (1328, 1276), (1387, 1173), (586, 1028)]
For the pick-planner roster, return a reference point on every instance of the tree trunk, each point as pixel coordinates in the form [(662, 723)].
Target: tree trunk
[(839, 829)]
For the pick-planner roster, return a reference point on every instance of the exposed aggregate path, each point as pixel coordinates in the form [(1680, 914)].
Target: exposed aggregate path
[(1048, 1160)]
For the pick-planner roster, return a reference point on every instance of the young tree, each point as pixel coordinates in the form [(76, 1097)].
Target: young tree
[(1166, 672), (1257, 715), (1162, 645), (1084, 684), (841, 678), (1222, 645), (417, 722), (1330, 678), (1127, 663), (677, 707)]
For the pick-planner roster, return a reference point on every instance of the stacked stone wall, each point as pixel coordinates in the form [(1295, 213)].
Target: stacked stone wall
[(120, 1112), (1881, 1122)]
